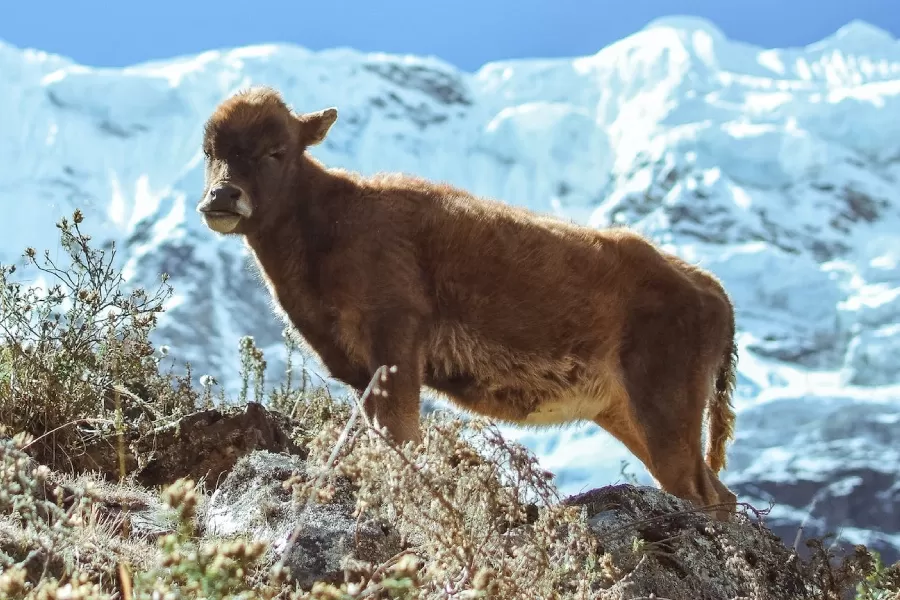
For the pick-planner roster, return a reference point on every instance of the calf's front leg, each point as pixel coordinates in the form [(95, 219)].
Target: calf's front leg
[(397, 345)]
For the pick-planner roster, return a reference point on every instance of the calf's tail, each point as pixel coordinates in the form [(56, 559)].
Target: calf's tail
[(721, 411)]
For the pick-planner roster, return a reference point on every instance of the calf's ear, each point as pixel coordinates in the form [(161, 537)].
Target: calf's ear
[(314, 126)]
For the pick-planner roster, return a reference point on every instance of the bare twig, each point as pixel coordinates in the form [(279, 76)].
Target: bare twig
[(64, 425), (392, 560), (691, 511), (390, 443), (339, 444)]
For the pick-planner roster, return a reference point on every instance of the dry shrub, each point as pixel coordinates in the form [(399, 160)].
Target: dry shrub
[(307, 402), (76, 363), (53, 540), (191, 569), (862, 570), (484, 518), (53, 546)]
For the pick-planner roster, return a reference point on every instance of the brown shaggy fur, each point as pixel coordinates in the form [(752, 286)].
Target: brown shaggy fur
[(522, 318)]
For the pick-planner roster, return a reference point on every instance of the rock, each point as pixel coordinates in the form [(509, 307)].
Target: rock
[(252, 502), (202, 446), (663, 549)]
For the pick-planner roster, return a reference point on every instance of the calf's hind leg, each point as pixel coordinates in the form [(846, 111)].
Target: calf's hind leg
[(668, 364)]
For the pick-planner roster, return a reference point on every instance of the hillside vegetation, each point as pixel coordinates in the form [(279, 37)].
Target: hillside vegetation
[(119, 472)]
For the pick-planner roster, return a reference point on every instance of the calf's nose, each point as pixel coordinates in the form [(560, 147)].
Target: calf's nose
[(225, 193)]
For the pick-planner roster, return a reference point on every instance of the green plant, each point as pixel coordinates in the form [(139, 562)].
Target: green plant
[(286, 397), (882, 583), (253, 364)]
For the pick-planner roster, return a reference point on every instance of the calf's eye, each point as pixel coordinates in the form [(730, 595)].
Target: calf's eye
[(276, 155)]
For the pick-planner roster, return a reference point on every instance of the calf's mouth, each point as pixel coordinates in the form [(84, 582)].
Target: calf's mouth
[(222, 221), (224, 208)]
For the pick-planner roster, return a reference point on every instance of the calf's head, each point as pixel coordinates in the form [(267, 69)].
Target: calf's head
[(254, 145)]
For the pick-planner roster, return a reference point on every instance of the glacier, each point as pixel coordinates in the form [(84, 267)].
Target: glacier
[(775, 168)]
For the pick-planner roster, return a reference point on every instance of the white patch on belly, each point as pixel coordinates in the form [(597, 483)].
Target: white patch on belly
[(565, 409), (582, 403)]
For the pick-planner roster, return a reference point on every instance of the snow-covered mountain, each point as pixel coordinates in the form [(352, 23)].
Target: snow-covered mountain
[(777, 169)]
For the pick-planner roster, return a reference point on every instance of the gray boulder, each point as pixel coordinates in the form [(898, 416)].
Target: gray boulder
[(662, 548), (252, 502)]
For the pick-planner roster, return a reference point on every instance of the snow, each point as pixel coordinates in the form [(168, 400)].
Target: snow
[(776, 168)]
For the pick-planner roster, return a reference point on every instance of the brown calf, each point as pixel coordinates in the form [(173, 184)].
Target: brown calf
[(523, 318)]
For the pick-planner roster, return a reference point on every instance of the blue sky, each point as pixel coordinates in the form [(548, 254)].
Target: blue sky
[(466, 33)]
